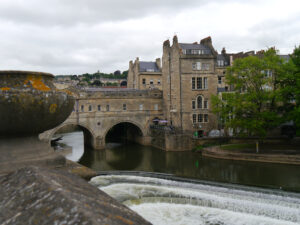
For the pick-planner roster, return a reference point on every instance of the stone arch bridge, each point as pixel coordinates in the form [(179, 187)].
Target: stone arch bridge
[(99, 111)]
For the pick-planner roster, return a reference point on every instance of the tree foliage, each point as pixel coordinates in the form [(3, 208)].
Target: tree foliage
[(253, 107), (290, 87)]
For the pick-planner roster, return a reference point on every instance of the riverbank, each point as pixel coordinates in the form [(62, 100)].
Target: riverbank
[(246, 153)]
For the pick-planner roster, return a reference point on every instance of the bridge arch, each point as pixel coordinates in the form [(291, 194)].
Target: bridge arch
[(134, 131), (88, 133)]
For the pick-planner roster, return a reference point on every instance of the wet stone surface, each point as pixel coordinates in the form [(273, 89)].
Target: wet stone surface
[(41, 196)]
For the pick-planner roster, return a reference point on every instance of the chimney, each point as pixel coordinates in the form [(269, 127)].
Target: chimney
[(158, 63), (206, 41), (175, 39), (166, 43), (195, 43), (223, 51)]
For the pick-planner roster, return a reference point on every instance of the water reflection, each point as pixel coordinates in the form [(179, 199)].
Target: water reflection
[(71, 145), (189, 164)]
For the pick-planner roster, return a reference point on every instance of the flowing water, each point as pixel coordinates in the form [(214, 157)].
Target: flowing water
[(162, 201), (221, 192)]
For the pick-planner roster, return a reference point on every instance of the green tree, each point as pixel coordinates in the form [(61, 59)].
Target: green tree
[(290, 87), (252, 109)]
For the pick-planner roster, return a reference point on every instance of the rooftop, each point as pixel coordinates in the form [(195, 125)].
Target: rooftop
[(148, 67), (187, 46)]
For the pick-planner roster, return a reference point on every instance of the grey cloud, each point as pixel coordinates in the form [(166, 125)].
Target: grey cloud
[(64, 36), (72, 12)]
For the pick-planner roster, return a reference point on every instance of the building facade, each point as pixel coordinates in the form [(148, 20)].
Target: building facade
[(189, 75), (189, 80), (144, 75)]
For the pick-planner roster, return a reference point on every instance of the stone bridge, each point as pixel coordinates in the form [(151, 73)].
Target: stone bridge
[(109, 112)]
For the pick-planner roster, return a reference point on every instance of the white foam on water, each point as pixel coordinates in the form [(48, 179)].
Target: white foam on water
[(179, 214), (140, 192)]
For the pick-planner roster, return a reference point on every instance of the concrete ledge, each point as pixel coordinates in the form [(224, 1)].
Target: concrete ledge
[(35, 195), (216, 152), (78, 169)]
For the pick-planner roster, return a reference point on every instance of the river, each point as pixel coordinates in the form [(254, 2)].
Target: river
[(211, 191)]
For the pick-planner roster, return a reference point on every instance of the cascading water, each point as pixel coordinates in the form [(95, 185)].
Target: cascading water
[(163, 201)]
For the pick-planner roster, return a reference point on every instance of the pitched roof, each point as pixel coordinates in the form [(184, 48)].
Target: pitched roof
[(195, 47), (148, 67)]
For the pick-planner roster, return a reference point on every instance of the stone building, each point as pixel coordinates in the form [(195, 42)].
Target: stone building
[(189, 79), (144, 75), (189, 75)]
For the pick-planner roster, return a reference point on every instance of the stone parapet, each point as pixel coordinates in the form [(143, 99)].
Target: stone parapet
[(41, 196)]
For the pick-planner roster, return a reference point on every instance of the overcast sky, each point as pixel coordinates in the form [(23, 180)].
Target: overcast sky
[(79, 36)]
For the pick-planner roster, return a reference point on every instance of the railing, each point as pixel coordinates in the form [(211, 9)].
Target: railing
[(170, 129)]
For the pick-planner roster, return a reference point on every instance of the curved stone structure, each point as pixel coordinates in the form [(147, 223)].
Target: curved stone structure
[(29, 104), (98, 111)]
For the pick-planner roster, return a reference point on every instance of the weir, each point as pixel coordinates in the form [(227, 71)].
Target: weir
[(167, 201)]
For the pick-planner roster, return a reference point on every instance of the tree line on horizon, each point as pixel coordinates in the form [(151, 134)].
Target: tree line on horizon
[(93, 79)]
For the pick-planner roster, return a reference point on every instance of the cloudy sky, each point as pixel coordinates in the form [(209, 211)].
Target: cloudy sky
[(78, 36)]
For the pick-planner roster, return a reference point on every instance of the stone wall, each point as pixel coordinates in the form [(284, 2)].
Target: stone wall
[(42, 196)]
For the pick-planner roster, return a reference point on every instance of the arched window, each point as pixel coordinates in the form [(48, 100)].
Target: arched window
[(199, 102)]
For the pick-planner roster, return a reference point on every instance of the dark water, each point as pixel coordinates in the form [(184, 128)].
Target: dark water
[(185, 164), (193, 165)]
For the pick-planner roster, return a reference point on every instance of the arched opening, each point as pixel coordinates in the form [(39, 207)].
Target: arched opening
[(124, 132), (199, 102), (123, 83), (72, 140)]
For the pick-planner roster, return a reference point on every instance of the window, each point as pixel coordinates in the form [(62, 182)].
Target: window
[(158, 81), (193, 83), (124, 107), (151, 81), (205, 118), (194, 118), (107, 108), (268, 73), (205, 104), (205, 83), (199, 82), (193, 104), (220, 63), (219, 80), (205, 66), (155, 106), (99, 107), (82, 108), (199, 102), (196, 66), (90, 108), (141, 107), (144, 81), (200, 118)]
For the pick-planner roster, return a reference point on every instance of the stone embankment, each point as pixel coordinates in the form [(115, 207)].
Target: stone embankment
[(36, 195), (217, 152)]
